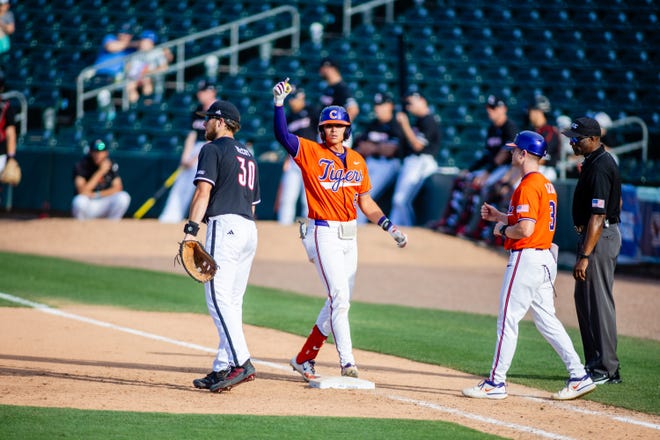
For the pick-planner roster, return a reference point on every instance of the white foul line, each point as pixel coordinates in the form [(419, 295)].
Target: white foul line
[(480, 418), (47, 309)]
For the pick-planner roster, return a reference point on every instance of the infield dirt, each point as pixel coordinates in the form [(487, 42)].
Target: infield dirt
[(48, 360)]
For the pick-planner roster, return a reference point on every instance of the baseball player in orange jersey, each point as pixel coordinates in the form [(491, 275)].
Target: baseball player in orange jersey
[(528, 229), (336, 184)]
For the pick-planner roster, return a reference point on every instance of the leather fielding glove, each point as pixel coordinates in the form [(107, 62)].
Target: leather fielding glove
[(281, 91)]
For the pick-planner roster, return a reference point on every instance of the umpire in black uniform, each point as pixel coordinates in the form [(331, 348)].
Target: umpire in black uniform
[(596, 210)]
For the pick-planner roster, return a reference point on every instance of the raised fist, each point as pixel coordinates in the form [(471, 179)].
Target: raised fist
[(281, 91)]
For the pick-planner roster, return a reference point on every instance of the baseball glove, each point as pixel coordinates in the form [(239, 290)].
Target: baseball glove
[(199, 264), (11, 174)]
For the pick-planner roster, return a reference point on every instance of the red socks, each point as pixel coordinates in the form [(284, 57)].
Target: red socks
[(312, 346)]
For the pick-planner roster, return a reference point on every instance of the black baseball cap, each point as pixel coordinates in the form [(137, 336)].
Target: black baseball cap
[(382, 98), (494, 101), (205, 84), (583, 127), (98, 145), (222, 109), (126, 28), (329, 62)]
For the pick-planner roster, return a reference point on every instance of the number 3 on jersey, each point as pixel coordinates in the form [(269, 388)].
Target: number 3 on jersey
[(247, 175), (553, 206)]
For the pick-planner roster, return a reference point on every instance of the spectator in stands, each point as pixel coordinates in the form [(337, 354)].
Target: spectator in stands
[(8, 134), (141, 70), (606, 138), (113, 48), (7, 26), (382, 145), (301, 121), (470, 186), (337, 91), (178, 200), (422, 147), (537, 116), (99, 188)]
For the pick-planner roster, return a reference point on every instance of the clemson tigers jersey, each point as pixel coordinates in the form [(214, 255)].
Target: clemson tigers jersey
[(332, 186), (535, 199)]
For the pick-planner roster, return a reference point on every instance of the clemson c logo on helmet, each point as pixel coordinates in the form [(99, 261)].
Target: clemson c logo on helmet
[(333, 114)]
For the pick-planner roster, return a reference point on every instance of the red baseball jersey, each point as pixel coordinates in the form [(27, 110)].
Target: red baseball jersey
[(535, 200), (332, 187)]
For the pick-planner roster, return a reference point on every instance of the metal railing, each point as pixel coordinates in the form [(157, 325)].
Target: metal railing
[(366, 9), (178, 48), (21, 116), (643, 144)]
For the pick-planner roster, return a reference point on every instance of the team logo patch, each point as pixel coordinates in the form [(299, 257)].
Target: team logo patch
[(598, 203), (522, 208)]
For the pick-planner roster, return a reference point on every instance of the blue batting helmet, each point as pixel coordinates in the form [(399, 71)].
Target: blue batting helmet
[(531, 142), (335, 114)]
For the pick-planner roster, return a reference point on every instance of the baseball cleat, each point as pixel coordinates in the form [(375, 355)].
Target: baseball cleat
[(486, 390), (306, 369), (349, 370), (575, 387), (236, 375), (212, 378)]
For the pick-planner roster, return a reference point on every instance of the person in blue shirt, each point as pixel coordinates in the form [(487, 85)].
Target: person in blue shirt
[(115, 47)]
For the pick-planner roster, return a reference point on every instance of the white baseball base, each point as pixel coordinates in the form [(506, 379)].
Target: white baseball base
[(341, 383)]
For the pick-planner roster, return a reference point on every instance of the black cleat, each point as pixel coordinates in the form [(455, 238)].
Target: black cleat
[(212, 378), (236, 375)]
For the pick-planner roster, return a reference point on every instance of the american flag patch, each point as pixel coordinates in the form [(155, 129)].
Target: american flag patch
[(598, 203), (522, 208)]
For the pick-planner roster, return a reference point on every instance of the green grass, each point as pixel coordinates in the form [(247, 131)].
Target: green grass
[(26, 423), (458, 340)]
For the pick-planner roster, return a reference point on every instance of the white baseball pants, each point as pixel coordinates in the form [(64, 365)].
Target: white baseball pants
[(232, 240), (336, 263), (528, 284)]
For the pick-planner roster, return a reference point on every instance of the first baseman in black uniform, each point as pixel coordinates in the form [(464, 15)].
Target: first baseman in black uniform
[(596, 210), (227, 190)]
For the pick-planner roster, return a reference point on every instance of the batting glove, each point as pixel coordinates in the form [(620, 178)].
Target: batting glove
[(281, 91), (398, 236)]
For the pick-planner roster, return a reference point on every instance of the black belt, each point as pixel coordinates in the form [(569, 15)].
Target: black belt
[(533, 249)]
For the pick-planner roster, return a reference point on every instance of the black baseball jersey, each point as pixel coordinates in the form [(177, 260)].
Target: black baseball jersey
[(198, 124), (496, 138), (86, 168), (7, 118), (384, 133), (427, 130), (598, 190), (338, 94), (304, 123), (229, 166)]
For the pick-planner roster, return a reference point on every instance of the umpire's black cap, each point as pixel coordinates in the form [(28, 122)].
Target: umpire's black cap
[(222, 109)]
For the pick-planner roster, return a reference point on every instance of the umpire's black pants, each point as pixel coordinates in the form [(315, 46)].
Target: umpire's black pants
[(594, 303)]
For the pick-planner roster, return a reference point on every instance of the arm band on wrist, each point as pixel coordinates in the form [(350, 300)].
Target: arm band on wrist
[(384, 223), (503, 230), (191, 228), (581, 256)]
